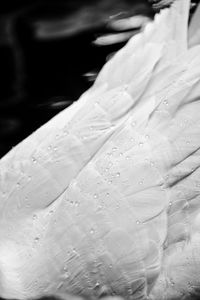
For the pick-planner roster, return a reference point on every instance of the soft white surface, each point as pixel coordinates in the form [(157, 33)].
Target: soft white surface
[(105, 196)]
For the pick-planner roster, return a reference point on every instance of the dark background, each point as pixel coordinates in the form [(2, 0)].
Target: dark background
[(42, 71), (42, 66)]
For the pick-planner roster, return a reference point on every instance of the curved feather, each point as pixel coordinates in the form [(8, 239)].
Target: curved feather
[(194, 30), (90, 201)]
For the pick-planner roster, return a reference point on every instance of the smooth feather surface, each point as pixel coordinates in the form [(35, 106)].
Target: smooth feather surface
[(105, 195)]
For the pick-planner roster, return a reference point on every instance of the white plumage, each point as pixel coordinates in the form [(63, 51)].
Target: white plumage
[(104, 198)]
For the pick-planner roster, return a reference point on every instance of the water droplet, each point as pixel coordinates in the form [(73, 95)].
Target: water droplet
[(74, 251), (110, 182), (137, 222), (49, 147), (141, 182), (172, 282), (66, 275), (128, 157), (141, 144), (147, 136), (121, 154), (109, 153), (92, 230), (76, 203), (18, 184), (170, 203), (165, 102), (97, 285), (133, 123), (34, 217), (65, 268), (107, 194), (106, 169), (34, 160), (95, 196), (118, 174), (187, 142), (130, 291), (55, 148), (57, 136), (152, 164), (37, 239), (35, 282), (100, 207), (29, 178), (125, 88), (51, 212)]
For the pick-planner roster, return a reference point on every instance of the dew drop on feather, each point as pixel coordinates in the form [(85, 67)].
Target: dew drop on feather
[(65, 268), (92, 230), (34, 217), (34, 160), (166, 102)]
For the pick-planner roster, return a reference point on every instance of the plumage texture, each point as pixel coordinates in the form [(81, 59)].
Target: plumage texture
[(158, 4), (104, 198)]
